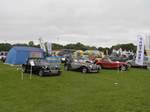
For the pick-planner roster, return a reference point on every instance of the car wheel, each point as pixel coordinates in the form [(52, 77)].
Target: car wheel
[(84, 70), (123, 67), (24, 69), (41, 72), (129, 65)]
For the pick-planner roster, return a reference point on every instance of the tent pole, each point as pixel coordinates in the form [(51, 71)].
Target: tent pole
[(31, 73), (22, 74)]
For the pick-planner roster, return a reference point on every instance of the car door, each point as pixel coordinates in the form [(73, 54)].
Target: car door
[(74, 64), (133, 62), (79, 63), (114, 64), (145, 62), (106, 63)]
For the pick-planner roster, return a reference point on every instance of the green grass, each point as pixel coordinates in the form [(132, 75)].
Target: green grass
[(75, 92)]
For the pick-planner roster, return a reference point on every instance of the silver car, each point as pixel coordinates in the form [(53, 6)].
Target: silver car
[(146, 62), (81, 65)]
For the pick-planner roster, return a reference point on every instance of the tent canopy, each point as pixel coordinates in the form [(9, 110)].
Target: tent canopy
[(18, 55)]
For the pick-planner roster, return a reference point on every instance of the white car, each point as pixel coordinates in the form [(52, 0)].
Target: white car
[(3, 55), (84, 66), (146, 62)]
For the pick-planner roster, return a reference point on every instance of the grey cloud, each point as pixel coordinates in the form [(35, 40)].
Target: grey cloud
[(96, 22)]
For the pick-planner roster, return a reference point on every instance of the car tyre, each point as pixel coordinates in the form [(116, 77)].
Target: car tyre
[(84, 70), (123, 67), (41, 72)]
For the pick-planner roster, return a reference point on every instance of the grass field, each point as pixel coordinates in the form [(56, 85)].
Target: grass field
[(107, 91)]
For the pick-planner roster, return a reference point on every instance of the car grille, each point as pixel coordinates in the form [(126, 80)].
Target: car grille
[(94, 67), (53, 68)]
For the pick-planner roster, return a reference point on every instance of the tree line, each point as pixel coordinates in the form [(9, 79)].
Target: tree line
[(77, 46)]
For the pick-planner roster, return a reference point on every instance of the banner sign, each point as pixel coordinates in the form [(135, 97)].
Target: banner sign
[(147, 45), (42, 45), (120, 52), (49, 48), (140, 50)]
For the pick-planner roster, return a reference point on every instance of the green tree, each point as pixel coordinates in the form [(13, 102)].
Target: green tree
[(31, 43), (5, 46)]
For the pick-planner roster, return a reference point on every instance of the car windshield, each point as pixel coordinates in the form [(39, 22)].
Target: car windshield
[(39, 61), (107, 60), (75, 60)]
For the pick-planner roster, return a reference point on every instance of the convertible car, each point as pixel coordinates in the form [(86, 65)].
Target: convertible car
[(107, 63), (40, 67), (82, 65)]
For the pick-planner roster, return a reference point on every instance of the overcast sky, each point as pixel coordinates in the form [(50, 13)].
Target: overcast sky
[(92, 22)]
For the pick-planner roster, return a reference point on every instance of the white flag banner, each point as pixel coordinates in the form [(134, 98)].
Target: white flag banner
[(147, 45), (140, 49), (49, 48), (42, 45), (120, 51)]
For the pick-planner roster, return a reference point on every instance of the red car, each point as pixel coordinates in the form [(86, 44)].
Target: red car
[(107, 63)]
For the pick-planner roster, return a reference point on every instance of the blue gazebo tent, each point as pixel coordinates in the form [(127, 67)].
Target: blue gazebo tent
[(18, 55)]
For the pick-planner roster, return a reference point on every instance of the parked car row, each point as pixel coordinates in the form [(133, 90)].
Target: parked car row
[(131, 61), (85, 65)]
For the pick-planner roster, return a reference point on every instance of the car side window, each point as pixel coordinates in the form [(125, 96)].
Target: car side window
[(107, 60)]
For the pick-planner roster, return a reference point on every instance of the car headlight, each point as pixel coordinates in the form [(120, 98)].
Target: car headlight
[(45, 67), (90, 66), (56, 67)]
